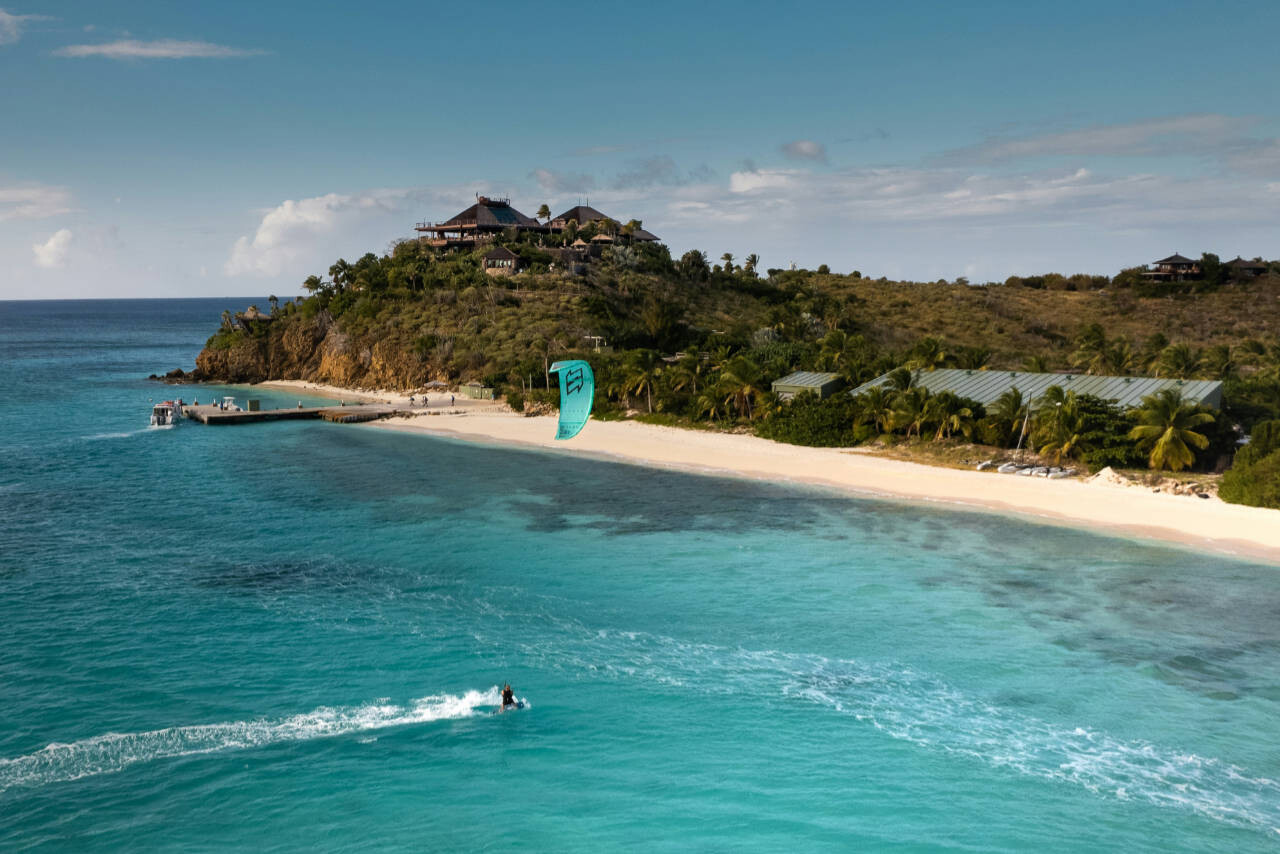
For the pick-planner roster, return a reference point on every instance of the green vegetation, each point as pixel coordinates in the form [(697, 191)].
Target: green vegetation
[(1254, 477), (684, 341)]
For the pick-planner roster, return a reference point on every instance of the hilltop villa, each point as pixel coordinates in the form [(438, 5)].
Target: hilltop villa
[(487, 218), (1175, 268)]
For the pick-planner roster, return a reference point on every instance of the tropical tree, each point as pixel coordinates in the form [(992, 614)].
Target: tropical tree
[(1117, 357), (1180, 361), (1220, 361), (727, 258), (972, 358), (753, 260), (1090, 352), (876, 407), (340, 273), (693, 266), (1165, 429), (740, 384), (684, 374), (1005, 417), (544, 212), (274, 301), (1035, 365), (928, 354), (640, 371), (911, 410), (1060, 435), (952, 414)]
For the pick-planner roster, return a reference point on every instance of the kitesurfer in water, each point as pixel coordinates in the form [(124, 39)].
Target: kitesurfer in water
[(508, 698)]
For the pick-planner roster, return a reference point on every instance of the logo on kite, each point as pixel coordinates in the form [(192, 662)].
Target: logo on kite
[(577, 390)]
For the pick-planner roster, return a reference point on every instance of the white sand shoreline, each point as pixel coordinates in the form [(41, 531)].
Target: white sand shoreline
[(1208, 525)]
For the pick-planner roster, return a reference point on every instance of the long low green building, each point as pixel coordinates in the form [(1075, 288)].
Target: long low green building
[(986, 386), (820, 383)]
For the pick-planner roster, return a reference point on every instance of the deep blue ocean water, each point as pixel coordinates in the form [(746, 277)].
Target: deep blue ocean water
[(288, 637)]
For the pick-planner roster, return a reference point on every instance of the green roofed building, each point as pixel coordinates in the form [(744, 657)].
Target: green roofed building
[(986, 386), (820, 383)]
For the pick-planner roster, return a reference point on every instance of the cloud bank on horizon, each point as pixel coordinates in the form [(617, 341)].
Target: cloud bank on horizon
[(284, 158)]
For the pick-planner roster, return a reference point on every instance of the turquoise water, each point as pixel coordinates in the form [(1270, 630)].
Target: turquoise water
[(288, 637)]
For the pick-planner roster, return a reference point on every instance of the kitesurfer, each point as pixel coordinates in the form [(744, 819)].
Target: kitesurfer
[(508, 698)]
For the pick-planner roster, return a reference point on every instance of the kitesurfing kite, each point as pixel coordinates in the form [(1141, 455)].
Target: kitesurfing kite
[(577, 389)]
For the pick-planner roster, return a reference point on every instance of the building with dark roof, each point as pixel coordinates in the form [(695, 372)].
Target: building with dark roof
[(1175, 268), (583, 214), (482, 221), (501, 261), (1242, 269)]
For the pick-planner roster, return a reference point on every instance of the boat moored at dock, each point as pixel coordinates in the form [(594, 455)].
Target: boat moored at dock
[(166, 413)]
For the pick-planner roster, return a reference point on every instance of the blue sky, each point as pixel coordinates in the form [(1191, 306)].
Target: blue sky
[(161, 149)]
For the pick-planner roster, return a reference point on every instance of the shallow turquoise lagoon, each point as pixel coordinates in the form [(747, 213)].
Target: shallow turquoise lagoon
[(288, 637)]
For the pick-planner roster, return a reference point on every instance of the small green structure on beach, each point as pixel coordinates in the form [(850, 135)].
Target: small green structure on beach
[(821, 383)]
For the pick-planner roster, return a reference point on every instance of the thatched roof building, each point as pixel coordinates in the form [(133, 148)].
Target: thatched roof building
[(481, 221)]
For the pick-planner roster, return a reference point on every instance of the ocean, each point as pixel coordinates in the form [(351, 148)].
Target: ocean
[(290, 637)]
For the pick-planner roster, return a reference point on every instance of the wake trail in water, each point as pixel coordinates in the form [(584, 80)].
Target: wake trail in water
[(916, 707), (98, 437), (113, 752)]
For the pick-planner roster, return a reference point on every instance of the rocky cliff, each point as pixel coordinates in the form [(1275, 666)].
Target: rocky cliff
[(313, 349)]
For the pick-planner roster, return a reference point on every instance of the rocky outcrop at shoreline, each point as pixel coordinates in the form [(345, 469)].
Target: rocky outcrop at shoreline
[(313, 349)]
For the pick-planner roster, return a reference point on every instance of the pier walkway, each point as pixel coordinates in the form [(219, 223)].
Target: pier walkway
[(209, 414)]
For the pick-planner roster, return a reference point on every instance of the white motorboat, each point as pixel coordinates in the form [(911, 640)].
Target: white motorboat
[(166, 413)]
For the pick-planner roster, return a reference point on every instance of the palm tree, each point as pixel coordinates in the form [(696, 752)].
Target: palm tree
[(911, 410), (641, 371), (1091, 344), (1006, 416), (1220, 361), (1179, 361), (875, 406), (1060, 432), (901, 379), (973, 358), (753, 260), (275, 303), (708, 404), (727, 258), (739, 383), (340, 273), (684, 374), (950, 413), (1165, 423), (1117, 357), (544, 212), (928, 354), (1035, 365)]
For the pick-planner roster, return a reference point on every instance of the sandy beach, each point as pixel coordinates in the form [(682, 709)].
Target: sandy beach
[(1127, 510)]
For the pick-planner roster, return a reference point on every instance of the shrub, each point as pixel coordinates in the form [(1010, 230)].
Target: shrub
[(515, 400), (1257, 484), (806, 420)]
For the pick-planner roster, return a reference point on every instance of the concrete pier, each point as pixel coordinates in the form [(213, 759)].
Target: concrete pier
[(213, 415)]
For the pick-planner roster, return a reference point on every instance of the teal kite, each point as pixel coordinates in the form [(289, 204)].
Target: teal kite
[(577, 390)]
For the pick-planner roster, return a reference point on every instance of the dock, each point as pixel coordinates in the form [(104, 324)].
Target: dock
[(215, 415)]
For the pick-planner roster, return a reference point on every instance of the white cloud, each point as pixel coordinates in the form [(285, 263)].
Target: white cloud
[(805, 149), (53, 252), (563, 182), (11, 25), (295, 234), (161, 49), (1205, 133), (33, 201)]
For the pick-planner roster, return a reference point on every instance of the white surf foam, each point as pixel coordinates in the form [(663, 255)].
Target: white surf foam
[(112, 752), (919, 708), (97, 437)]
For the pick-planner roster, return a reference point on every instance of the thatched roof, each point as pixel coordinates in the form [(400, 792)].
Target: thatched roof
[(492, 213), (501, 253), (1175, 258)]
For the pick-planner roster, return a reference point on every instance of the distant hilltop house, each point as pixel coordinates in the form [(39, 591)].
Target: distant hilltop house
[(488, 218), (1242, 269), (501, 261), (1178, 268), (1175, 268)]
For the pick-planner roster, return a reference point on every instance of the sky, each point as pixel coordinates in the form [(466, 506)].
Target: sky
[(158, 149)]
